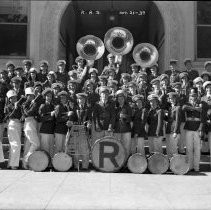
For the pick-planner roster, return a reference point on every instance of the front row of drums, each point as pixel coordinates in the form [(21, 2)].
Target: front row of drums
[(108, 155)]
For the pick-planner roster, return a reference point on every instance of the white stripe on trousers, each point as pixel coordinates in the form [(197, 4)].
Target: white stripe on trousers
[(171, 144), (30, 130), (137, 145), (155, 144), (14, 136), (59, 142)]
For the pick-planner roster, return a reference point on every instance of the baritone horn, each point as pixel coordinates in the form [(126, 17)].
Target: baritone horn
[(145, 55), (90, 47), (118, 41)]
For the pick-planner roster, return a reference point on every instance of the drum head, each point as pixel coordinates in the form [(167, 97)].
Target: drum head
[(62, 161), (179, 164), (158, 163), (137, 163), (108, 154), (38, 161)]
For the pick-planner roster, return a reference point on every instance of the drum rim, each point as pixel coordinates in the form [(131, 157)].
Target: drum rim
[(101, 170), (46, 154), (137, 154), (156, 153), (54, 159), (170, 165)]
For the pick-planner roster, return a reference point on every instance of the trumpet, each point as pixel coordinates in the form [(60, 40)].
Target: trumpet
[(145, 55)]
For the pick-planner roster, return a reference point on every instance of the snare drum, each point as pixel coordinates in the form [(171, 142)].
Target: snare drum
[(108, 154), (179, 164), (137, 163), (38, 161), (62, 161), (158, 163)]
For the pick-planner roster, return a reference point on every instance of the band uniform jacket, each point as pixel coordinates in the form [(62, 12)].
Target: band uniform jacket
[(13, 113), (61, 118), (104, 115), (192, 74), (155, 121), (173, 119), (139, 119), (123, 119), (48, 121), (206, 101), (41, 77), (193, 117), (30, 109)]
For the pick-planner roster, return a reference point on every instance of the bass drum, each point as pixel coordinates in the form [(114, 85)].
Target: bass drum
[(158, 163), (137, 163), (108, 154), (62, 161), (38, 161), (179, 164)]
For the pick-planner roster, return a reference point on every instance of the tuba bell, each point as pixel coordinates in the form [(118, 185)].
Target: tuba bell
[(145, 55), (118, 41), (90, 47)]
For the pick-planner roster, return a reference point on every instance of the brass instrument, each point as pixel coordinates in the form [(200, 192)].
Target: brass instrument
[(145, 55), (90, 47), (118, 41)]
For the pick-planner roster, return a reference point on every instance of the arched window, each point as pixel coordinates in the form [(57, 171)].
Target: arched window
[(203, 29), (13, 28)]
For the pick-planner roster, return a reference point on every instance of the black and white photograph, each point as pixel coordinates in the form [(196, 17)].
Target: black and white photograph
[(105, 105)]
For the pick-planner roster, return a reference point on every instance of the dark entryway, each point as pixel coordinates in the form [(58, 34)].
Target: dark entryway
[(141, 18)]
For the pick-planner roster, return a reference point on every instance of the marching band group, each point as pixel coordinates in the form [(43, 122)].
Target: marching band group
[(174, 105), (68, 111)]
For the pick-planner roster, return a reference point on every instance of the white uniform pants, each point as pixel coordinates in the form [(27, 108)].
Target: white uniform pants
[(30, 130), (14, 136), (138, 145), (171, 144), (59, 142), (155, 144), (47, 143), (193, 149), (181, 140), (125, 139), (1, 140)]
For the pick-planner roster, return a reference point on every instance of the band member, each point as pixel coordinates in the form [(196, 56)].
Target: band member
[(192, 73), (182, 100), (16, 83), (32, 78), (57, 87), (193, 127), (139, 120), (51, 78), (72, 91), (43, 71), (102, 82), (111, 74), (61, 75), (111, 64), (13, 115), (93, 76), (19, 73), (125, 79), (103, 115), (122, 127), (206, 76), (113, 86), (207, 66), (135, 71), (156, 87), (186, 84), (46, 112), (10, 69), (173, 119), (153, 72), (173, 72), (198, 83), (5, 79), (27, 64), (61, 115), (3, 92), (30, 112), (81, 122), (155, 124)]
